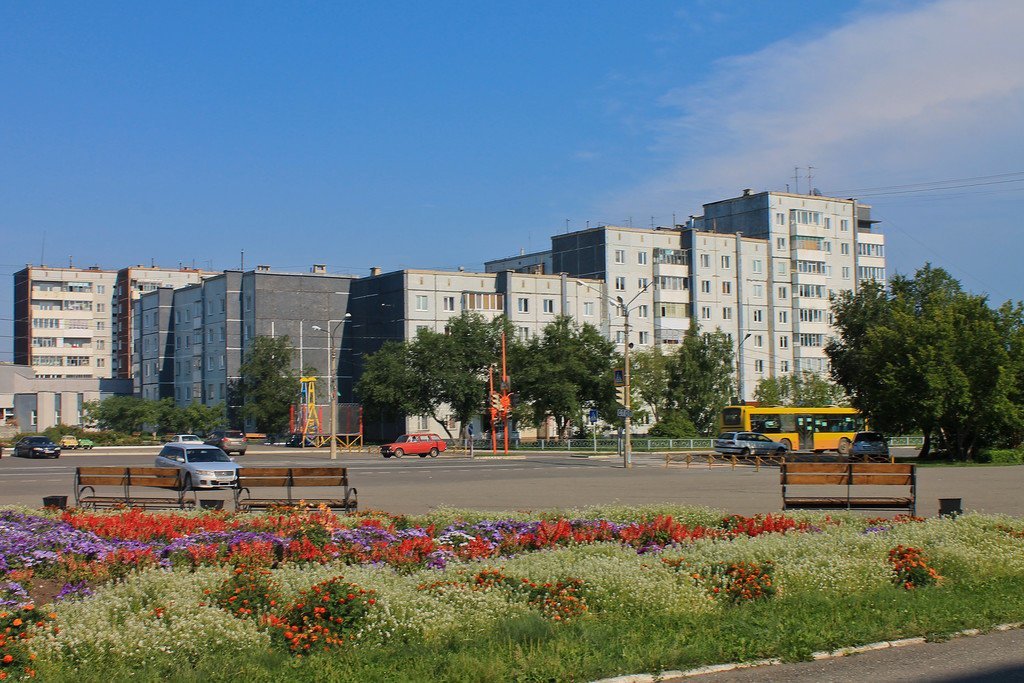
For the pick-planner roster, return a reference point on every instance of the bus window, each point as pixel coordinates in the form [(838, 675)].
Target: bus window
[(732, 417), (766, 424)]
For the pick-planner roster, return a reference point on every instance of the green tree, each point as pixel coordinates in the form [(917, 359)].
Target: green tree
[(564, 372), (674, 425), (267, 386), (121, 413), (700, 377), (648, 379), (927, 355), (804, 388), (435, 372)]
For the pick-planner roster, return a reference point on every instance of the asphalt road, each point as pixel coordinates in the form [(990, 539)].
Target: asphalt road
[(413, 485)]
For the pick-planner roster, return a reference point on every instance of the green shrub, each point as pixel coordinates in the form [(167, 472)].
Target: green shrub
[(1001, 456)]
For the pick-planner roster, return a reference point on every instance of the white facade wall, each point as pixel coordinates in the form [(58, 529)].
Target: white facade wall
[(70, 322)]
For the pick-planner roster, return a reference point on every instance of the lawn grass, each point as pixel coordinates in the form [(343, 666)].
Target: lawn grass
[(530, 648)]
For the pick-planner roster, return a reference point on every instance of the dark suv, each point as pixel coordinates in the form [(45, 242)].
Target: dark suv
[(228, 440)]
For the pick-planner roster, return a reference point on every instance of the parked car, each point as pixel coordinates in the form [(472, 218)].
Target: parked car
[(205, 467), (295, 440), (747, 443), (228, 440), (185, 438), (69, 441), (869, 446), (36, 447), (86, 444), (414, 444)]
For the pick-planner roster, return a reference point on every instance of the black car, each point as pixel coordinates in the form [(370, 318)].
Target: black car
[(36, 447)]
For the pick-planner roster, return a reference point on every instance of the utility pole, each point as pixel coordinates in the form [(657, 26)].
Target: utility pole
[(627, 451)]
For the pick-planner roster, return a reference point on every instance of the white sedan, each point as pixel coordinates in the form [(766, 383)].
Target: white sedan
[(186, 438), (203, 467)]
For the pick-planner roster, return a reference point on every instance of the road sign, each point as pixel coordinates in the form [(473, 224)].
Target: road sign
[(469, 430), (593, 415), (622, 412), (620, 377)]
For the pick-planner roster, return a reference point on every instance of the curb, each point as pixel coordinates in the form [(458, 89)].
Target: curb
[(815, 656)]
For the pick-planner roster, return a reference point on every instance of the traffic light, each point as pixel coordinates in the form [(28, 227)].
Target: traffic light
[(620, 395)]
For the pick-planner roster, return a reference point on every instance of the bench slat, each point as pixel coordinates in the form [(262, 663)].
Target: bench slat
[(319, 481), (264, 471), (96, 480), (817, 467), (262, 482), (883, 479), (320, 471), (881, 468), (811, 479), (104, 470)]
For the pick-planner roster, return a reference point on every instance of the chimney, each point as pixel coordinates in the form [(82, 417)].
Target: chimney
[(374, 271), (262, 269), (746, 192), (318, 269)]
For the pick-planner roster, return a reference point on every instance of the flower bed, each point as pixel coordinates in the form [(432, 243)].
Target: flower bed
[(136, 591)]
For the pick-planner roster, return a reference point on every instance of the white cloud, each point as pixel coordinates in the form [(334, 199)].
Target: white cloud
[(932, 92)]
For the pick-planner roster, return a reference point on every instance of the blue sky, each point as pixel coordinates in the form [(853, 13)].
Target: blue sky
[(443, 134)]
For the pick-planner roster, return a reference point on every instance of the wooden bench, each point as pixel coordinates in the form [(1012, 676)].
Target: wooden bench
[(848, 475), (129, 480), (290, 478)]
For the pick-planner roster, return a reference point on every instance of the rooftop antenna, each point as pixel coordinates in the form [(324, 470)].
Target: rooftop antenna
[(71, 263), (566, 226), (796, 179), (810, 183), (652, 222), (152, 262), (42, 251)]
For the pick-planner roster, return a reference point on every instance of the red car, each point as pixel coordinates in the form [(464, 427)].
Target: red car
[(414, 444)]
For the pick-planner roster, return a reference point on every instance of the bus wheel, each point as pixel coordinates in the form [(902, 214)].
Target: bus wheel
[(844, 446), (787, 443)]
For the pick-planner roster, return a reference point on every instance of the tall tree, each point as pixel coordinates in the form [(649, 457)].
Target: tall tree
[(930, 356), (121, 413), (267, 386), (565, 371), (700, 378), (804, 388), (649, 370)]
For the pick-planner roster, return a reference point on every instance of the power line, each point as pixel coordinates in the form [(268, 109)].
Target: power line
[(838, 193)]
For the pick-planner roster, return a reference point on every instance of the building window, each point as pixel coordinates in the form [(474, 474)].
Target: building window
[(758, 315), (642, 311), (846, 272), (758, 340), (588, 308), (421, 302), (726, 287), (783, 292), (101, 362), (620, 337), (758, 291), (523, 305), (783, 366), (705, 312), (644, 337), (620, 255), (620, 284), (705, 260), (705, 286), (757, 266), (844, 248), (524, 333), (780, 242), (780, 267), (101, 289), (844, 225), (726, 261), (726, 313), (549, 305), (780, 219), (828, 222), (641, 258), (422, 422), (758, 365), (642, 283), (784, 342), (449, 303)]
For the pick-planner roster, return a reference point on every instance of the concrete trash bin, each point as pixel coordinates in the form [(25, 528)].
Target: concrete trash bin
[(208, 504), (60, 502)]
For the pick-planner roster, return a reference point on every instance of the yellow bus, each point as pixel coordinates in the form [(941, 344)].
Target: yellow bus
[(799, 429)]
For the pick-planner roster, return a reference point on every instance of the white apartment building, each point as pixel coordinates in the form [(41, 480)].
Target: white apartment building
[(759, 267), (62, 321)]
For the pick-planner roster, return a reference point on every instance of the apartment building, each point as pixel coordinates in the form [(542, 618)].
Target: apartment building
[(62, 321), (395, 306), (759, 267), (189, 341), (131, 283), (76, 322), (29, 403)]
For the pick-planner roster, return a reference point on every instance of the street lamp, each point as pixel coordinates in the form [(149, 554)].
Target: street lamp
[(333, 371), (739, 368)]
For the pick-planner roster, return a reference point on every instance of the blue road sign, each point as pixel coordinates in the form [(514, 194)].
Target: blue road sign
[(593, 415)]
